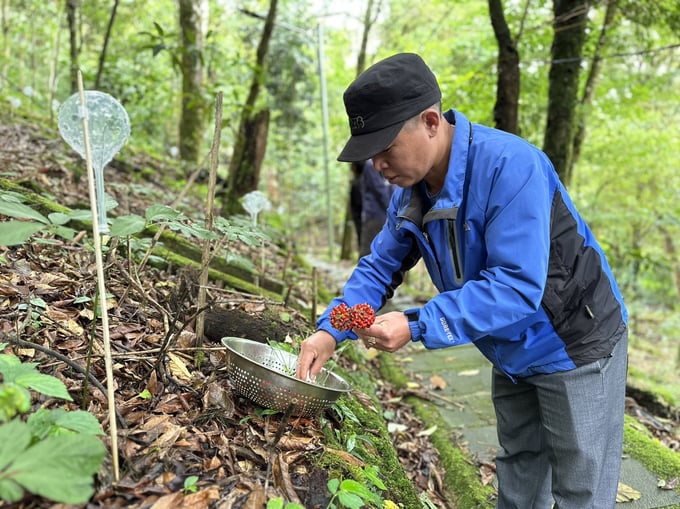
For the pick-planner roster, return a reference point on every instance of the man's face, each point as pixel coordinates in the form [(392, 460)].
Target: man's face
[(409, 157)]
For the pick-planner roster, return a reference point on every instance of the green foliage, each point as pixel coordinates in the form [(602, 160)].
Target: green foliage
[(190, 485), (376, 452), (237, 229), (279, 503), (354, 495), (29, 222), (346, 493), (59, 468), (18, 377), (652, 13), (55, 453)]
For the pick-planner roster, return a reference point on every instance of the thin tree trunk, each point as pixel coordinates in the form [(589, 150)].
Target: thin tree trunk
[(569, 27), (107, 36), (193, 15), (370, 15), (244, 167), (71, 12), (506, 109), (5, 38), (591, 80), (207, 254)]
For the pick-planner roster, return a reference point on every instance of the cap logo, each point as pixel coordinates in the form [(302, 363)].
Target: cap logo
[(356, 123)]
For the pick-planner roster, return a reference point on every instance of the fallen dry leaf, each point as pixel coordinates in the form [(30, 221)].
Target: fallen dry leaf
[(468, 372), (670, 484), (346, 456), (178, 368), (438, 382), (427, 432), (627, 494), (487, 473), (282, 479)]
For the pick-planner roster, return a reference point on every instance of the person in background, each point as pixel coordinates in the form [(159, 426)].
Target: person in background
[(355, 197), (519, 274), (375, 197)]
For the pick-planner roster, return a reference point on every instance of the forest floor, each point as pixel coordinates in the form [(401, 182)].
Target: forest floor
[(177, 420)]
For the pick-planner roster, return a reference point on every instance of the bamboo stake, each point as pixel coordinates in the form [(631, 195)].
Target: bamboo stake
[(207, 252), (101, 285)]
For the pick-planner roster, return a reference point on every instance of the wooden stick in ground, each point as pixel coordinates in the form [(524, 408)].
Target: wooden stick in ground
[(207, 252), (101, 285), (312, 318)]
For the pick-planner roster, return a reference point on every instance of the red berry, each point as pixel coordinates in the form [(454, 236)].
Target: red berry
[(363, 316), (341, 318), (360, 316)]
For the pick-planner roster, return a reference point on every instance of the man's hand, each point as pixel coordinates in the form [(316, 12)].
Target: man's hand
[(314, 352), (389, 332)]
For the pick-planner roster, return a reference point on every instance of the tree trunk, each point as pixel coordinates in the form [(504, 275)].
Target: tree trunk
[(250, 143), (105, 45), (591, 80), (505, 111), (5, 39), (569, 29), (348, 230), (193, 16), (252, 149), (71, 11)]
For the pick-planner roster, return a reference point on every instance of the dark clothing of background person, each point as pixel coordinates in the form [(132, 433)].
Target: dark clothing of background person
[(376, 194), (355, 198)]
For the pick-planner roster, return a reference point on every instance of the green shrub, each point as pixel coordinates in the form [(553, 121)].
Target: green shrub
[(52, 453)]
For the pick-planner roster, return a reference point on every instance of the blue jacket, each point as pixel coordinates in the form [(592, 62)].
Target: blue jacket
[(518, 271)]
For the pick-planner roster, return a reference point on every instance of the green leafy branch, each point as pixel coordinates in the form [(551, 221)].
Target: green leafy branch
[(27, 222), (352, 494)]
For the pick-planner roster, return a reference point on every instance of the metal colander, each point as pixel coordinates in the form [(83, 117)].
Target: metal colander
[(266, 375)]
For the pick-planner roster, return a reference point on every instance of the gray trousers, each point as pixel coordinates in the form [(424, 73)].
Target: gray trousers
[(561, 436)]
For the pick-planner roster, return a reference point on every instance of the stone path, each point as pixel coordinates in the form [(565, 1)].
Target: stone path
[(468, 386)]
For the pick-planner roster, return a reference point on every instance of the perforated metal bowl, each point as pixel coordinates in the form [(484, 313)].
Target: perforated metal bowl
[(266, 375)]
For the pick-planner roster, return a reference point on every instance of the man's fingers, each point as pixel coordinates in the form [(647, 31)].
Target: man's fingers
[(314, 352), (304, 365)]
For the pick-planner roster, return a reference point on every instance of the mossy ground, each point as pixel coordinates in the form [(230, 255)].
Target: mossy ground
[(463, 485), (378, 450), (642, 446)]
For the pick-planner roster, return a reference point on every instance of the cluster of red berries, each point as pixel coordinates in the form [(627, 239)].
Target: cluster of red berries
[(359, 316)]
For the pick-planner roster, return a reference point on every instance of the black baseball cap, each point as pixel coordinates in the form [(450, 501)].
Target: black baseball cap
[(382, 98)]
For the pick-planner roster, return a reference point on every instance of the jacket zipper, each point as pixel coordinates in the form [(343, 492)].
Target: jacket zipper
[(455, 250)]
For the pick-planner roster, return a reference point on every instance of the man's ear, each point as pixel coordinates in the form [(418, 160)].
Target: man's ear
[(432, 120)]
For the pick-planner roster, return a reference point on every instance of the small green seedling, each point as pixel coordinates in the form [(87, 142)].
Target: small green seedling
[(190, 484)]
